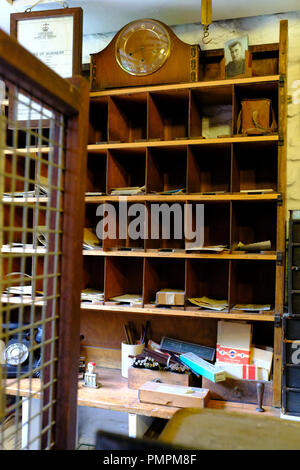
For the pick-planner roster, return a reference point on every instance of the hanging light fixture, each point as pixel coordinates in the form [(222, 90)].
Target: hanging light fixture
[(206, 18)]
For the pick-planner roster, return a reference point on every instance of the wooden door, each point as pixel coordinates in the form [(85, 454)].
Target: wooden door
[(42, 183)]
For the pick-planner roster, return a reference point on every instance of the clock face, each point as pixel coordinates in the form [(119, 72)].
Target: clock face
[(142, 47)]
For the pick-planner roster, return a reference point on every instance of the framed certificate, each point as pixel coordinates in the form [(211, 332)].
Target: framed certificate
[(54, 37)]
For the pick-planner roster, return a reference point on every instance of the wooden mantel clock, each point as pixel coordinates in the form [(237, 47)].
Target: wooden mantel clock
[(144, 52)]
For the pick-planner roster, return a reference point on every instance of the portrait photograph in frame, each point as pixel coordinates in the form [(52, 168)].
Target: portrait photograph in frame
[(235, 55), (54, 37)]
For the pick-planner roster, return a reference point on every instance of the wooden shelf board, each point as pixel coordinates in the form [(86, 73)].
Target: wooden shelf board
[(185, 197), (180, 313), (115, 395), (187, 86), (96, 148), (151, 254)]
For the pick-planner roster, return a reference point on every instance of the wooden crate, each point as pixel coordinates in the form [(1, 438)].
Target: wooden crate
[(137, 377)]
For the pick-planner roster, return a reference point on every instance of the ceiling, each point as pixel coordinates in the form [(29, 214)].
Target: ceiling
[(102, 16)]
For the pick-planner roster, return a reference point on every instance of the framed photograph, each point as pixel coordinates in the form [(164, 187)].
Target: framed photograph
[(234, 54), (54, 37)]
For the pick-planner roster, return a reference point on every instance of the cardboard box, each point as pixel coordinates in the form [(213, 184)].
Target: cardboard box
[(170, 297), (233, 342), (173, 395), (244, 371), (262, 358)]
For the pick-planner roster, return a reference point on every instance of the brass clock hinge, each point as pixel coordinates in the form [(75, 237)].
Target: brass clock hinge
[(194, 64), (93, 71)]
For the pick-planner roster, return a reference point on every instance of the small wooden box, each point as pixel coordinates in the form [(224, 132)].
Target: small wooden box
[(137, 377), (173, 395)]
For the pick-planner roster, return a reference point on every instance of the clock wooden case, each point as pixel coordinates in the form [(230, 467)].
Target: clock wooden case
[(144, 52)]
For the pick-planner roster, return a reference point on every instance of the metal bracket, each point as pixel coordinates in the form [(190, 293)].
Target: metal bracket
[(279, 258), (280, 139), (281, 80), (280, 199), (277, 320)]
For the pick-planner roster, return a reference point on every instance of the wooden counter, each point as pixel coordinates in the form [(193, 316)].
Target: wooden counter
[(115, 395)]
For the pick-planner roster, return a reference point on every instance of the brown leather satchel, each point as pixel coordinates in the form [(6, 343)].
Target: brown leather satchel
[(256, 117)]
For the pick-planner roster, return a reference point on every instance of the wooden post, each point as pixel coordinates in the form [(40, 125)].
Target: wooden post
[(71, 271), (281, 209)]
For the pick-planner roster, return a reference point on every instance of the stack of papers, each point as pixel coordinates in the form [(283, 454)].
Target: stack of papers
[(252, 307), (90, 240), (19, 194), (92, 295), (128, 191), (212, 304), (16, 245), (94, 193), (214, 248), (128, 299), (19, 290), (170, 191)]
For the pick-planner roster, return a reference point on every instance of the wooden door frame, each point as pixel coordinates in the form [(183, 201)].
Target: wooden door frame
[(71, 98)]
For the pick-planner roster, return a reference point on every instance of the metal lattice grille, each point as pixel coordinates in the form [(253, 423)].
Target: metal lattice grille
[(31, 196)]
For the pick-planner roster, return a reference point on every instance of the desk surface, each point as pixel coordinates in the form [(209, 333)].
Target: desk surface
[(114, 394)]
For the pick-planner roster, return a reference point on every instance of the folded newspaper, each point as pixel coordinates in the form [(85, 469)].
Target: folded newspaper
[(211, 304)]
